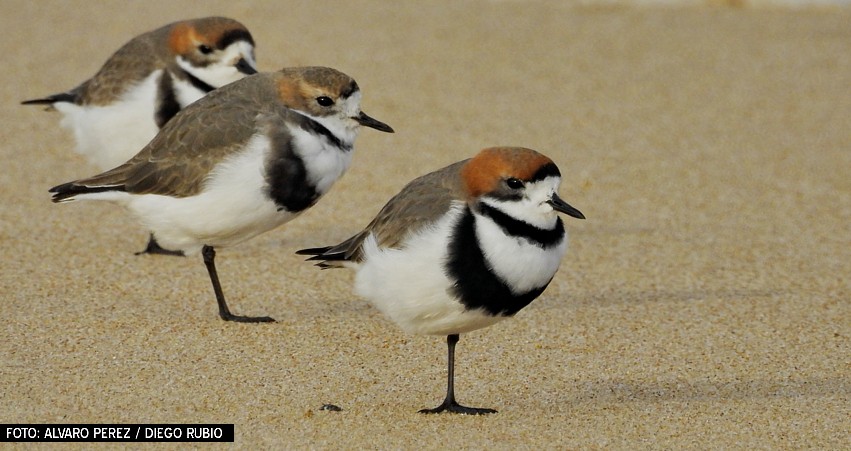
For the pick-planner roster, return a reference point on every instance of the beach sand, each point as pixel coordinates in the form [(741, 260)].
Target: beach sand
[(704, 303)]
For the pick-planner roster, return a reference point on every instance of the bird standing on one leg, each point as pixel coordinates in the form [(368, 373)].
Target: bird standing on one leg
[(461, 248), (146, 82), (241, 161)]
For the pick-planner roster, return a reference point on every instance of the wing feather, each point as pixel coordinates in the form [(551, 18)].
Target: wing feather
[(420, 203), (178, 160)]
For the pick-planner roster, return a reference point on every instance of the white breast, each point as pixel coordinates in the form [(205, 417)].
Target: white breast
[(521, 264), (324, 162), (185, 92)]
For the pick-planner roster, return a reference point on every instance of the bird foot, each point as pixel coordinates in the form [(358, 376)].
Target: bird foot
[(246, 319), (154, 248), (454, 407)]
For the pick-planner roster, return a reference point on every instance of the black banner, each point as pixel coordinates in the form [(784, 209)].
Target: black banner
[(116, 433)]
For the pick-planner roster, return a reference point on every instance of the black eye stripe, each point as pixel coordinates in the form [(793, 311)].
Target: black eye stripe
[(349, 90), (547, 170), (232, 36)]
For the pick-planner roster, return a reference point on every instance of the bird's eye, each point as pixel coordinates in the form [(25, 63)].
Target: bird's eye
[(514, 183), (205, 49), (324, 101)]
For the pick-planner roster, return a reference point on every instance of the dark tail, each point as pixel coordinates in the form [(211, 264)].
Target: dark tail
[(68, 190), (313, 251), (50, 100), (319, 254)]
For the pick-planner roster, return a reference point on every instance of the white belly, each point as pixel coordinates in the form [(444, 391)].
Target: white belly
[(410, 286), (110, 135), (233, 207)]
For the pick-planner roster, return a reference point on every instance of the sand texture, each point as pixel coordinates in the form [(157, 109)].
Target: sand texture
[(704, 303)]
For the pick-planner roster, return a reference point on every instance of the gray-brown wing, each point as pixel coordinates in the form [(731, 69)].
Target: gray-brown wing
[(134, 61), (131, 63), (420, 203), (179, 158)]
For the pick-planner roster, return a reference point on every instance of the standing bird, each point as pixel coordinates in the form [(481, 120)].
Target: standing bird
[(241, 161), (461, 248), (146, 82)]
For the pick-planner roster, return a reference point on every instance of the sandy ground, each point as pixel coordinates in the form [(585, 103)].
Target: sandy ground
[(704, 303)]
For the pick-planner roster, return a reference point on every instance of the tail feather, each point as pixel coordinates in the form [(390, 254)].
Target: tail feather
[(313, 251), (341, 255), (67, 191), (323, 257), (50, 100)]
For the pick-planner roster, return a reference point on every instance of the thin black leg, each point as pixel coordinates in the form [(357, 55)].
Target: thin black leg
[(154, 248), (449, 404), (209, 260)]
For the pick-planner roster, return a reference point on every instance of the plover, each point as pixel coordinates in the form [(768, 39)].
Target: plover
[(242, 160), (146, 82), (461, 248)]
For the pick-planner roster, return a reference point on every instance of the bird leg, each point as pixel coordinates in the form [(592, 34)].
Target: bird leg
[(154, 248), (209, 256), (449, 404)]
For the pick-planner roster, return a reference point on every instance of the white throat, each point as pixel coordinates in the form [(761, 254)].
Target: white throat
[(217, 74), (533, 208)]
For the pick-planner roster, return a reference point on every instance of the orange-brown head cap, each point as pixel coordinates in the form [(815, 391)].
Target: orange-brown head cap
[(206, 35), (485, 172), (504, 173)]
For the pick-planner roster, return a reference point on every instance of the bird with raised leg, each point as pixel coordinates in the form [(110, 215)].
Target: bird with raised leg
[(461, 248), (145, 83), (239, 162)]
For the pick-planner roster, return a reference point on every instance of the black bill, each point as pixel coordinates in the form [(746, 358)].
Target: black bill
[(559, 205), (367, 121), (243, 66)]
